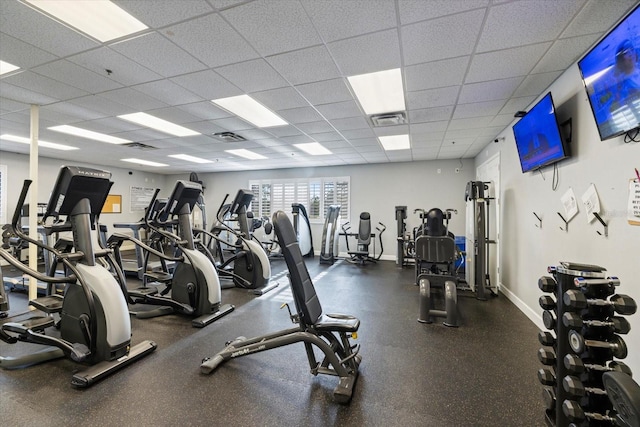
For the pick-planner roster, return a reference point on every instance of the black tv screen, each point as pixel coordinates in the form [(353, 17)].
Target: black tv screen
[(538, 136), (611, 75)]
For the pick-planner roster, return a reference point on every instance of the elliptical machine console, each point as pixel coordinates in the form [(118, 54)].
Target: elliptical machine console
[(94, 321)]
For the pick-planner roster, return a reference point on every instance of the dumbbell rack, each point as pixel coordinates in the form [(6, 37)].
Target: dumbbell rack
[(595, 408)]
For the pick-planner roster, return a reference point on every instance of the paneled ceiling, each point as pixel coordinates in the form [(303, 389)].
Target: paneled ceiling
[(467, 67)]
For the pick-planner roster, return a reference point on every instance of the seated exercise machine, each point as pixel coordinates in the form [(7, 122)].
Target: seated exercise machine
[(328, 332), (194, 287), (435, 269), (405, 249), (364, 237), (330, 233), (249, 266), (93, 320)]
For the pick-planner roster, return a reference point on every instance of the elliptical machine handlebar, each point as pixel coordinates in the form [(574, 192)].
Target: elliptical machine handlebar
[(150, 225)]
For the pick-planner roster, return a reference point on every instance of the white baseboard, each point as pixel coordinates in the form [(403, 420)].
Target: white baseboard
[(534, 316)]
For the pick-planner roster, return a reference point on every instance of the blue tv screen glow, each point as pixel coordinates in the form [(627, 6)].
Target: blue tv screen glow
[(611, 75), (538, 136)]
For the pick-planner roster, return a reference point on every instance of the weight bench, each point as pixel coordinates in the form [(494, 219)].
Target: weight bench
[(328, 332)]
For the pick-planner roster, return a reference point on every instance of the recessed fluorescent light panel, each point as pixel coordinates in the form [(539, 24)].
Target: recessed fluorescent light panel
[(5, 67), (46, 144), (380, 92), (89, 134), (156, 123), (246, 154), (144, 162), (100, 19), (189, 158), (251, 110), (395, 142), (313, 148)]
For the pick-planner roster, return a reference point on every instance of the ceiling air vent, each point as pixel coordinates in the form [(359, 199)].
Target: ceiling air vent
[(228, 137), (140, 146), (388, 119)]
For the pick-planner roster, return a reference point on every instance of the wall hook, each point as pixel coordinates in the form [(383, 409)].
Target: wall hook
[(604, 224), (566, 223), (539, 225)]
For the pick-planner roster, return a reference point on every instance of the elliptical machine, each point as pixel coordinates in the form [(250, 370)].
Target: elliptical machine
[(249, 267), (194, 287), (94, 321)]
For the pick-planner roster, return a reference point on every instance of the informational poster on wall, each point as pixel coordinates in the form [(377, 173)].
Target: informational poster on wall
[(633, 210), (140, 198)]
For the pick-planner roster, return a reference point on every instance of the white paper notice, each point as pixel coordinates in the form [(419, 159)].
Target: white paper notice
[(570, 204), (591, 202), (633, 211)]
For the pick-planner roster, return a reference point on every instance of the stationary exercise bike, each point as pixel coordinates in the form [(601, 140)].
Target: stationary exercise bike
[(194, 287), (93, 320)]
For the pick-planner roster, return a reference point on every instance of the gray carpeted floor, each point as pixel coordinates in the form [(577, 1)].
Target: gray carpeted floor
[(481, 374)]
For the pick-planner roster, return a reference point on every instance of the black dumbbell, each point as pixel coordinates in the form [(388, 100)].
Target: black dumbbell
[(549, 397), (574, 387), (547, 302), (546, 376), (578, 344), (574, 412), (546, 356), (620, 325), (622, 304), (547, 284), (549, 319), (546, 338), (575, 365)]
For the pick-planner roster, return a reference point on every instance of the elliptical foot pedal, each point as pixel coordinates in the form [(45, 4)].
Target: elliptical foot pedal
[(207, 319), (48, 304)]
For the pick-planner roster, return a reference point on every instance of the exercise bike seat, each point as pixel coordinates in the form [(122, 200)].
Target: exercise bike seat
[(337, 322)]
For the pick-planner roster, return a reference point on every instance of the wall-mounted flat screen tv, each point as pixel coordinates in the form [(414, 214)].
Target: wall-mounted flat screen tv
[(538, 137), (611, 75)]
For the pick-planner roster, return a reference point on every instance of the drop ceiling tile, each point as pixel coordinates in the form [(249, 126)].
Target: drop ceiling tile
[(22, 54), (459, 134), (364, 142), (223, 4), (255, 134), (478, 109), (432, 97), (337, 144), (24, 23), (40, 84), (211, 40), (518, 61), (430, 140), (273, 27), (430, 114), (391, 130), (311, 128), (492, 131), (102, 106), (326, 92), (424, 153), (243, 75), (535, 84), (489, 91), (205, 110), (327, 136), (505, 26), (74, 75), (517, 104), (167, 92), (597, 17), (470, 123), (207, 84), (337, 19), (164, 12), (419, 10), (280, 131), (448, 37), (305, 66), (72, 109), (339, 110), (563, 53), (373, 148), (108, 125), (134, 99), (9, 105), (296, 139), (124, 70), (350, 123), (233, 124), (360, 55), (145, 50), (375, 157), (174, 115), (280, 99), (358, 133), (429, 127), (448, 72), (300, 115)]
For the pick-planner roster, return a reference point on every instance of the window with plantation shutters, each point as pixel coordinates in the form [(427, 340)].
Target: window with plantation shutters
[(3, 194), (254, 207), (316, 194)]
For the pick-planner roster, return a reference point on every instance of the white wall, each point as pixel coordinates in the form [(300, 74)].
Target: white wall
[(376, 189), (526, 251), (18, 171)]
